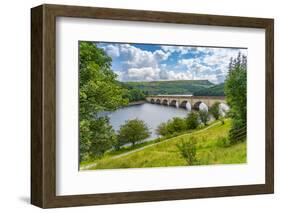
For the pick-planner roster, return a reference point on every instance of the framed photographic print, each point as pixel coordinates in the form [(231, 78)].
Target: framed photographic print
[(136, 106)]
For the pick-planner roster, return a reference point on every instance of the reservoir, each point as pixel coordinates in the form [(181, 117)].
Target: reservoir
[(151, 114)]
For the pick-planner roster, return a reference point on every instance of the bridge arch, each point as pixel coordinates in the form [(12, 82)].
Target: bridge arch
[(196, 105), (158, 101), (152, 101), (165, 102), (185, 104), (174, 103), (200, 105)]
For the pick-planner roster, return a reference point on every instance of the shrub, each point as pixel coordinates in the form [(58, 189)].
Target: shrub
[(192, 120), (188, 150)]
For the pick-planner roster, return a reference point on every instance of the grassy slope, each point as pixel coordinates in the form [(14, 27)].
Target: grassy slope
[(167, 154), (217, 90), (170, 87)]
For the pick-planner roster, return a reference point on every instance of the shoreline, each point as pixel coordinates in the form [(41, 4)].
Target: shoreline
[(137, 103)]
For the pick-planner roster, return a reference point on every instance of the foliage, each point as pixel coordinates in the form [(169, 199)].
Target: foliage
[(98, 91), (133, 131), (204, 116), (98, 136), (133, 94), (215, 110), (162, 129), (176, 125), (170, 87), (188, 150), (236, 94), (172, 126), (216, 90), (192, 120)]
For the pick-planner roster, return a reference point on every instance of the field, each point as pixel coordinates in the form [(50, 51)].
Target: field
[(210, 150)]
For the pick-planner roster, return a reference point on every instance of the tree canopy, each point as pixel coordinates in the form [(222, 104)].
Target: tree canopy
[(133, 131), (98, 91), (236, 96)]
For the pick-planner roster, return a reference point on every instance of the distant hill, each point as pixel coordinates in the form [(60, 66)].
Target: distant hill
[(170, 87), (216, 90)]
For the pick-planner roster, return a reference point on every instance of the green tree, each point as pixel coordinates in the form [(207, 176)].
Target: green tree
[(215, 110), (176, 125), (162, 129), (204, 116), (172, 126), (133, 131), (98, 91), (188, 150), (236, 96), (192, 120)]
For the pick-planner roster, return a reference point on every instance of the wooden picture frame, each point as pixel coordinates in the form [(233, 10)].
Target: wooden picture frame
[(43, 105)]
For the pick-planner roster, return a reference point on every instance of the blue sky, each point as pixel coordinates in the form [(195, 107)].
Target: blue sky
[(150, 62)]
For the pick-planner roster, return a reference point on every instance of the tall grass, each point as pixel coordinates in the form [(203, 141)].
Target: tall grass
[(212, 147)]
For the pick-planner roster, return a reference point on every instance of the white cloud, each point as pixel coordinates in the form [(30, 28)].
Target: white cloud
[(136, 64), (160, 55), (142, 74), (177, 49), (112, 50), (212, 63)]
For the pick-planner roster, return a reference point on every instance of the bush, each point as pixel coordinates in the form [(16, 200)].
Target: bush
[(192, 120), (188, 150)]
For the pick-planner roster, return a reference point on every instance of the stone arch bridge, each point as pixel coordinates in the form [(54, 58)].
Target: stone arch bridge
[(185, 101)]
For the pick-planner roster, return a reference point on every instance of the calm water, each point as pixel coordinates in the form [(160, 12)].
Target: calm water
[(151, 114)]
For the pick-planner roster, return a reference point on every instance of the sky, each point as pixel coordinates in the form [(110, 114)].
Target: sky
[(151, 62)]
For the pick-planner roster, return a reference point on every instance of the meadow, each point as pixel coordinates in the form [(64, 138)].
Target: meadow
[(212, 147)]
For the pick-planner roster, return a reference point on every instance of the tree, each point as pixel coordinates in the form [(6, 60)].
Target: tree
[(176, 125), (162, 129), (133, 131), (95, 137), (204, 116), (172, 126), (236, 96), (98, 91), (188, 150), (215, 110), (192, 120)]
